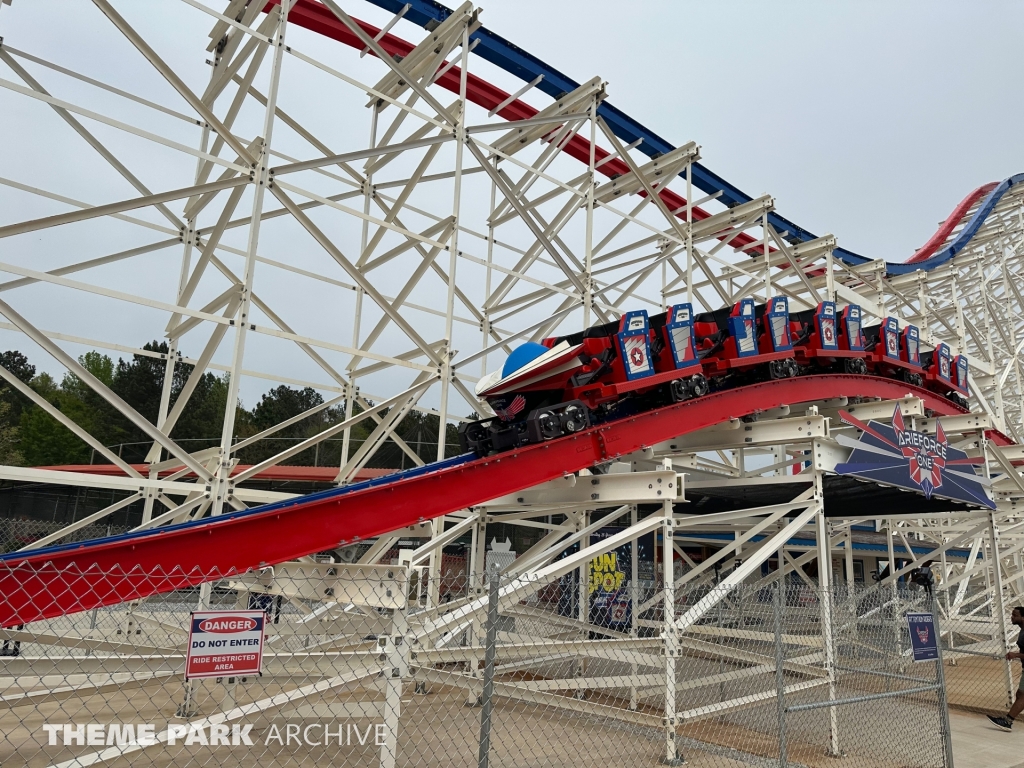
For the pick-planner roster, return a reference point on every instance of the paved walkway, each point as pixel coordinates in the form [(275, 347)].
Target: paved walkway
[(979, 744)]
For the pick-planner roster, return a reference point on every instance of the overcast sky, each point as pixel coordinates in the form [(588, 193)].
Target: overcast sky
[(867, 120)]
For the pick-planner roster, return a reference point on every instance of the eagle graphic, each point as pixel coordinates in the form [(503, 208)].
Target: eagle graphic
[(516, 406)]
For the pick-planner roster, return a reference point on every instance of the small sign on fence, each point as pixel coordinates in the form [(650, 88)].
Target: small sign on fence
[(225, 644), (924, 636)]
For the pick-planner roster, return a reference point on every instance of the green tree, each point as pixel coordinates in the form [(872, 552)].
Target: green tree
[(9, 434), (99, 365), (30, 434), (89, 409), (280, 404), (43, 440), (200, 424), (140, 381), (18, 364)]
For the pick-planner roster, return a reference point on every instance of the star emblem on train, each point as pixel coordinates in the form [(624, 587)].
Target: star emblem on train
[(828, 331)]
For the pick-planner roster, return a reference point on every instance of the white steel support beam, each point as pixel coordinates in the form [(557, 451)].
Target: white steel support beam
[(95, 517), (119, 207), (765, 550), (669, 636), (194, 101), (655, 197), (386, 427), (395, 67), (526, 216), (354, 272), (261, 180), (528, 583), (62, 418), (95, 143), (100, 388), (468, 21), (309, 442), (597, 491), (825, 602)]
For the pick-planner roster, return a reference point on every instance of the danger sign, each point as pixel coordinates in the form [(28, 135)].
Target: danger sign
[(225, 644)]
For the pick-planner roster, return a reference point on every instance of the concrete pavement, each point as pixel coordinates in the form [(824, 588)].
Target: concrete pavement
[(979, 744)]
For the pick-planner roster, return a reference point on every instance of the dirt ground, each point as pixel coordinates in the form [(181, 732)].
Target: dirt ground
[(437, 730), (979, 684)]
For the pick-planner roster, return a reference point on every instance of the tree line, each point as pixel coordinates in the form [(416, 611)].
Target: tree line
[(29, 436)]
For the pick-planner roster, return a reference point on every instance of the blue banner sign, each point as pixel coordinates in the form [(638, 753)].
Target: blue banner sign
[(892, 454), (608, 581), (924, 636), (611, 599)]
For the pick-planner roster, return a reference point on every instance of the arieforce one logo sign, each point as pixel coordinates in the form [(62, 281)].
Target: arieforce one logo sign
[(926, 455), (892, 454)]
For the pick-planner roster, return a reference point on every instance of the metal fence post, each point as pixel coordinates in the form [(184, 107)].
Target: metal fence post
[(583, 601), (187, 709), (940, 672), (494, 579), (634, 601), (1000, 603), (780, 680), (825, 598), (670, 635), (396, 658)]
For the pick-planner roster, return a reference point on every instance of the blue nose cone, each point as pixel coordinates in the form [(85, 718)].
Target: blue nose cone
[(521, 356)]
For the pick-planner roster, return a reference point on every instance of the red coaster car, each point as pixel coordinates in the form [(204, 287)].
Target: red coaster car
[(946, 375), (746, 339), (826, 339), (894, 354), (567, 383), (550, 389)]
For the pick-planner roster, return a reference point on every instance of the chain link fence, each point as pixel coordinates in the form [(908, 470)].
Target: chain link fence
[(976, 636), (17, 533), (375, 665)]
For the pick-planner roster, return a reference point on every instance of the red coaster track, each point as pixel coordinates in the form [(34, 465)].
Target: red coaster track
[(62, 580)]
